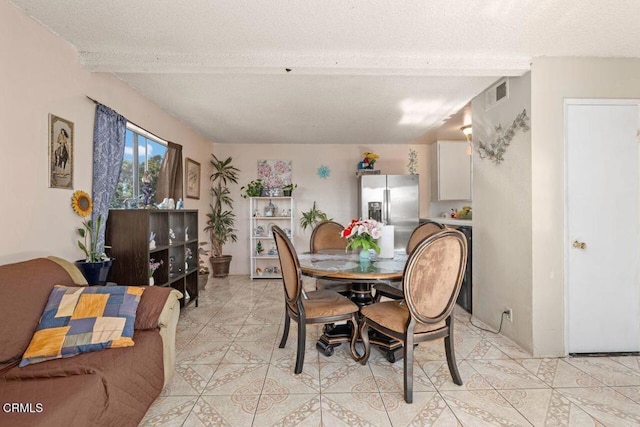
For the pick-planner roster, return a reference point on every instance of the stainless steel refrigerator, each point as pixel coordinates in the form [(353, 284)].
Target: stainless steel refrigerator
[(392, 199)]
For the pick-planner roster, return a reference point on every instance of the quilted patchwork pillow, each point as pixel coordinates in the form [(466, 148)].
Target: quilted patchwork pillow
[(83, 319)]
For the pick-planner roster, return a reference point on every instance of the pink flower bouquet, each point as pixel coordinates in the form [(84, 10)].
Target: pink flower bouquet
[(363, 233)]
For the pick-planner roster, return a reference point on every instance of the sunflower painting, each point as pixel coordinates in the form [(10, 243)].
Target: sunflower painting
[(60, 152)]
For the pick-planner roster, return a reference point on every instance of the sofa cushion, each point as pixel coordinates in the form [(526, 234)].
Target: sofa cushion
[(24, 289), (114, 387), (151, 305), (83, 319)]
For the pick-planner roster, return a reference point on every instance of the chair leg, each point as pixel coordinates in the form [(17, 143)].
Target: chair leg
[(451, 355), (302, 335), (364, 336), (408, 368), (285, 332)]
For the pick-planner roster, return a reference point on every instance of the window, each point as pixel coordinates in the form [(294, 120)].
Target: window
[(143, 152)]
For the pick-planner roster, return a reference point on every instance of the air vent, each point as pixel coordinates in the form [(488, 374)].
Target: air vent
[(496, 94)]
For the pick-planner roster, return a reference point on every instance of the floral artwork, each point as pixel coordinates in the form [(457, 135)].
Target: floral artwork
[(274, 173), (324, 172)]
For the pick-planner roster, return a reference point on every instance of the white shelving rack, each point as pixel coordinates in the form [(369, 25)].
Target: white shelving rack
[(266, 265)]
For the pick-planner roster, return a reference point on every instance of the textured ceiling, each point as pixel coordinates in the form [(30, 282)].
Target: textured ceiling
[(364, 72)]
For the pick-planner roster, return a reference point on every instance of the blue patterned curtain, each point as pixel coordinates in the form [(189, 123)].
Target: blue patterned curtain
[(108, 152)]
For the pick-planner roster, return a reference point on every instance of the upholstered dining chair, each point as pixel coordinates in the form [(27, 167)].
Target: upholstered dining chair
[(327, 235), (432, 280), (421, 232), (324, 307)]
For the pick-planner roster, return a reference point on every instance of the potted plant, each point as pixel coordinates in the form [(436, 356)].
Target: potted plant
[(313, 217), (95, 267), (203, 270), (288, 189), (253, 189), (221, 219)]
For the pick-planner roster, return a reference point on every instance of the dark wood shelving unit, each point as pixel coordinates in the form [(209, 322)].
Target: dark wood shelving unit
[(176, 235)]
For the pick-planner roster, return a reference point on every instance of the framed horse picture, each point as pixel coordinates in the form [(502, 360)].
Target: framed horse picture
[(60, 153)]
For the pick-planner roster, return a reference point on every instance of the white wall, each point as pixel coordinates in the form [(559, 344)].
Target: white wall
[(502, 217), (553, 80), (40, 74), (336, 196)]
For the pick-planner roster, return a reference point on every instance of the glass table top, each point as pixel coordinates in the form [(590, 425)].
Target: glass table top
[(337, 264)]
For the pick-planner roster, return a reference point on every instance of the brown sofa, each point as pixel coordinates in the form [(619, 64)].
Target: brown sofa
[(112, 387)]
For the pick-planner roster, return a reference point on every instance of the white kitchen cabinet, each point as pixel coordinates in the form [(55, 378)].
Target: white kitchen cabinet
[(451, 171), (266, 212)]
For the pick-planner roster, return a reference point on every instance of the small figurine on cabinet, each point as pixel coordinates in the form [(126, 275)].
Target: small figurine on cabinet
[(164, 204), (152, 240), (186, 233), (171, 261), (180, 204), (273, 251), (188, 254), (270, 209), (259, 248), (172, 235), (147, 187)]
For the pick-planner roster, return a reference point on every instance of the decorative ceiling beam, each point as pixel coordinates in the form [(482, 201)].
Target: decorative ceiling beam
[(322, 64)]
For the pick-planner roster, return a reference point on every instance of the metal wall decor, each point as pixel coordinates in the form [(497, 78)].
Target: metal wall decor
[(495, 150), (324, 172), (413, 162)]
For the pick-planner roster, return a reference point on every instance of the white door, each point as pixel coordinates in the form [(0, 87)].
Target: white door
[(603, 213)]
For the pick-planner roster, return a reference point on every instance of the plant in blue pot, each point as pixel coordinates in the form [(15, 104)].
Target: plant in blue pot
[(95, 267)]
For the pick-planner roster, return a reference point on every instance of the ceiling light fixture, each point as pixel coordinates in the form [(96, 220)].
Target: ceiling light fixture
[(468, 130)]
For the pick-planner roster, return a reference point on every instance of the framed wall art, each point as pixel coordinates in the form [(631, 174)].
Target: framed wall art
[(60, 152), (192, 178), (274, 173)]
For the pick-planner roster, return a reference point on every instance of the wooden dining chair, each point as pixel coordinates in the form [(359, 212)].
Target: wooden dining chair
[(325, 307), (327, 235), (421, 232), (432, 280)]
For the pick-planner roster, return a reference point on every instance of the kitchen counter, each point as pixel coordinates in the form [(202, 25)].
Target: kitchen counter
[(453, 221)]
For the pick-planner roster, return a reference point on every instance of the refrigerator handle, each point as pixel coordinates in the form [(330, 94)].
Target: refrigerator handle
[(387, 206)]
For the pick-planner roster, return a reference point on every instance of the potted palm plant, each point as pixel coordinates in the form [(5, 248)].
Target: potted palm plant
[(221, 219), (313, 217)]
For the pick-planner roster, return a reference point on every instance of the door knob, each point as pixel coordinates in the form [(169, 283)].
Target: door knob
[(579, 245)]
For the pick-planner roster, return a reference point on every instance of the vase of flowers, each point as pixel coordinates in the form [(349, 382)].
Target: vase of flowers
[(363, 234), (368, 161), (153, 266), (95, 267)]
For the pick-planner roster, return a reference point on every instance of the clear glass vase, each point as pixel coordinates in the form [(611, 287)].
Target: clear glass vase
[(365, 255)]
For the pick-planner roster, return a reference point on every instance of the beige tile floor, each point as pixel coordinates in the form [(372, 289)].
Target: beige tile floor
[(230, 372)]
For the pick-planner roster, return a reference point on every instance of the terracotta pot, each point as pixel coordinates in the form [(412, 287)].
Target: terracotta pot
[(220, 265)]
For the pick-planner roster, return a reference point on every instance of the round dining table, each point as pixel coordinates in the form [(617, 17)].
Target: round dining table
[(362, 276)]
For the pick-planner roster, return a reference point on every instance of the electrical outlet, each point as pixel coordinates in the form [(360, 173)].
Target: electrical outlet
[(509, 313)]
